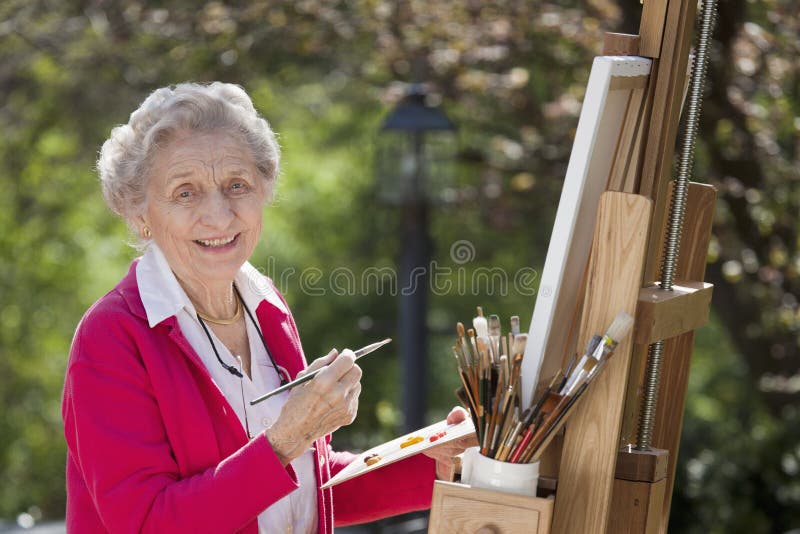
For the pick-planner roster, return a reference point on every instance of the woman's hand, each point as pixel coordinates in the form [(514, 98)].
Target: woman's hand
[(445, 453), (318, 407)]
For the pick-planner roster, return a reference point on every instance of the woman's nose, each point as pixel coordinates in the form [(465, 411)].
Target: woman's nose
[(217, 210)]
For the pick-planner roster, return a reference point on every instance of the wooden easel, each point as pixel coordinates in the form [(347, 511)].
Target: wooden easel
[(600, 485)]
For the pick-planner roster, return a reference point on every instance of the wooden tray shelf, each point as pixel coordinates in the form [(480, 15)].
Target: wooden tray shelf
[(464, 509)]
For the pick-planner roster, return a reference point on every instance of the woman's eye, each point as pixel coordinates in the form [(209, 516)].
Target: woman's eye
[(238, 187), (184, 195)]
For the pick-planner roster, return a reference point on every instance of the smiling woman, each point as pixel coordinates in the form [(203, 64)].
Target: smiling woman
[(160, 436)]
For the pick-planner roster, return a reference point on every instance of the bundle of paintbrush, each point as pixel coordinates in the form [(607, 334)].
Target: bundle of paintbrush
[(489, 365)]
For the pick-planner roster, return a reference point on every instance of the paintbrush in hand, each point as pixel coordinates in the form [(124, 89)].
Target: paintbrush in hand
[(360, 353)]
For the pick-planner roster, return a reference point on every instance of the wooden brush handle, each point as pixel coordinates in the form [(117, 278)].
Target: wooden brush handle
[(551, 419), (551, 402), (558, 424)]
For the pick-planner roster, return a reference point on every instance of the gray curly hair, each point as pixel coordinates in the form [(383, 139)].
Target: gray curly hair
[(127, 155)]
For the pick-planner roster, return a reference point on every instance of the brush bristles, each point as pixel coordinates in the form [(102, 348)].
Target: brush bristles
[(620, 327), (460, 329), (494, 325), (592, 345), (515, 325), (519, 344), (481, 326)]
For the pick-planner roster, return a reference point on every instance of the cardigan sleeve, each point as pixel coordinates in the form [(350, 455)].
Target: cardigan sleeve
[(398, 488), (116, 437)]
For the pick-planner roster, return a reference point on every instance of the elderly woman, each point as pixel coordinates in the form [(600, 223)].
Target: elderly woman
[(160, 435)]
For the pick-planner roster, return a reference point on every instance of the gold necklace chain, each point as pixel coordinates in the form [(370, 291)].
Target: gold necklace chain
[(224, 321)]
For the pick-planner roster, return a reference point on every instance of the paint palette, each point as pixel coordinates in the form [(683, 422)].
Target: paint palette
[(402, 447)]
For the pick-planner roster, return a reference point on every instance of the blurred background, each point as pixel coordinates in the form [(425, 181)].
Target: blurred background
[(510, 75)]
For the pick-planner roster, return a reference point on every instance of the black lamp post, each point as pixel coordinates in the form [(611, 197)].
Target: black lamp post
[(415, 157)]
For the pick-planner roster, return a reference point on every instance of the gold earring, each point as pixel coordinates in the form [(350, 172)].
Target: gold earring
[(146, 232)]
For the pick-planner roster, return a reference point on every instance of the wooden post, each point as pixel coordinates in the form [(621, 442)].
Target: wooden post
[(620, 44), (651, 27), (589, 455), (636, 508), (638, 497), (678, 350), (670, 76)]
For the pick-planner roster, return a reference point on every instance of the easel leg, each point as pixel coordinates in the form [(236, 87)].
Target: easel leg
[(639, 486)]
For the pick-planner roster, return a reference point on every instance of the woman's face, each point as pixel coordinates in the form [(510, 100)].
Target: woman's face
[(204, 205)]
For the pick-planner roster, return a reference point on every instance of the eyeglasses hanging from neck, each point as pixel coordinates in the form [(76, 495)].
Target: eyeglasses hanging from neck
[(230, 368)]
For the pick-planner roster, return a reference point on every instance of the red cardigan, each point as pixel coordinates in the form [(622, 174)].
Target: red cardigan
[(153, 446)]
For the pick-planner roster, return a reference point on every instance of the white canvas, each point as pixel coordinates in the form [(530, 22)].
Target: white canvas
[(599, 127)]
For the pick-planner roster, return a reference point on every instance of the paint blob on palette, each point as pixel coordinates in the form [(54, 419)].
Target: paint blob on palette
[(401, 448)]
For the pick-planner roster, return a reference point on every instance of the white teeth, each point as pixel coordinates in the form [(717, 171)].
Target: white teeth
[(216, 242)]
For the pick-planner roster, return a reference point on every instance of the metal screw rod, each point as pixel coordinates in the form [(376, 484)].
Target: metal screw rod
[(676, 215)]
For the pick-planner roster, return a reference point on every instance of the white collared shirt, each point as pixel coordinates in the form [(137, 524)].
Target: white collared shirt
[(164, 297)]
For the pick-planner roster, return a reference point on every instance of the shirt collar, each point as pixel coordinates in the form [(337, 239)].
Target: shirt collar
[(256, 287), (162, 296)]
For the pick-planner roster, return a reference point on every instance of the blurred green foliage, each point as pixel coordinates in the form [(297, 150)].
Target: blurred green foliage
[(511, 74)]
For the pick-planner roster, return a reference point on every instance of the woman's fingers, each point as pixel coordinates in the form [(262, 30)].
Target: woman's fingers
[(351, 377), (465, 443), (444, 453), (335, 372), (352, 403), (444, 461), (456, 415), (319, 363), (454, 448), (345, 396)]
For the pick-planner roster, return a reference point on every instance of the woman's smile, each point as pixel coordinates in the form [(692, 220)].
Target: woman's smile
[(218, 243)]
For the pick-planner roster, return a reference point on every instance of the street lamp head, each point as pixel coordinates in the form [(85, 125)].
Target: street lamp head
[(416, 151), (413, 114)]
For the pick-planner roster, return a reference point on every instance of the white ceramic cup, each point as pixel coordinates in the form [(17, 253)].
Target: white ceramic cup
[(480, 471)]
